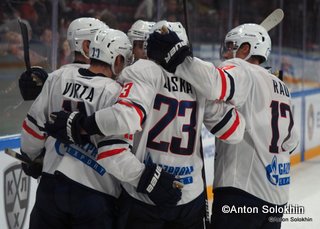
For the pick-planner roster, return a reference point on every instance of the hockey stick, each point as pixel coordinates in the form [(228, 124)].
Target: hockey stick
[(272, 19), (207, 213), (17, 156), (25, 39), (185, 12)]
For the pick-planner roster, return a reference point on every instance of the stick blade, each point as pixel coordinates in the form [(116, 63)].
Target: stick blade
[(273, 19), (16, 155)]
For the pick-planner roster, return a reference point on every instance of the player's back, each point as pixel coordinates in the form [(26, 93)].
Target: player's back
[(81, 90), (87, 92), (263, 156), (169, 134), (171, 129)]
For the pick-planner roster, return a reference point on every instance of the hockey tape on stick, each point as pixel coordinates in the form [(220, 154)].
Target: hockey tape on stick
[(25, 39), (17, 155), (273, 19), (177, 184)]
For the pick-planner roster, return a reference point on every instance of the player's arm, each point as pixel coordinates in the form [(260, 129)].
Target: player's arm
[(115, 154), (126, 116), (211, 82), (33, 134), (224, 121)]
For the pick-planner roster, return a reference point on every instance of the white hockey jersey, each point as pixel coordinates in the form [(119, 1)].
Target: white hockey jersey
[(260, 164), (169, 114), (98, 165), (33, 135)]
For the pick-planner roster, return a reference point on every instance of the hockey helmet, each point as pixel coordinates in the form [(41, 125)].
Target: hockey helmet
[(140, 30), (108, 44), (255, 35), (82, 29)]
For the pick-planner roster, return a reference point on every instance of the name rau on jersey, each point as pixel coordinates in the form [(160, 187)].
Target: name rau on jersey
[(183, 173)]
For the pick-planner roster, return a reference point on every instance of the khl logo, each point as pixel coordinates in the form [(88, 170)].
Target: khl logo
[(16, 195)]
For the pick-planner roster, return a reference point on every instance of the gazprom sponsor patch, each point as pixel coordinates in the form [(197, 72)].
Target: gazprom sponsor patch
[(82, 156), (278, 173)]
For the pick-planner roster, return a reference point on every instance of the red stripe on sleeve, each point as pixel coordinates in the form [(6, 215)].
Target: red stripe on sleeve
[(224, 84), (109, 153), (140, 113), (227, 67), (31, 131), (232, 128)]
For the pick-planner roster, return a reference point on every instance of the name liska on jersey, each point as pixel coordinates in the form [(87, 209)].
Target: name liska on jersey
[(175, 83)]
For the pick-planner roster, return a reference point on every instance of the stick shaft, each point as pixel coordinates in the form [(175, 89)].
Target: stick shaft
[(25, 39)]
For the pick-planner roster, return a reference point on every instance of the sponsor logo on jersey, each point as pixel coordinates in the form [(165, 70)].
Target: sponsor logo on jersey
[(86, 154), (16, 195), (278, 173), (182, 173)]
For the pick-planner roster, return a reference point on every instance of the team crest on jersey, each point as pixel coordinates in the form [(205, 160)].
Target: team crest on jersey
[(183, 173), (16, 195), (278, 173)]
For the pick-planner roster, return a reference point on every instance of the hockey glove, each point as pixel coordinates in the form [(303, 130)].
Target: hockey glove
[(33, 168), (67, 127), (167, 49), (31, 82), (161, 187)]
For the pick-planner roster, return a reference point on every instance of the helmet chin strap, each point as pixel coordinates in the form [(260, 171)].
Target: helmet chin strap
[(83, 54), (113, 70), (247, 58), (234, 54)]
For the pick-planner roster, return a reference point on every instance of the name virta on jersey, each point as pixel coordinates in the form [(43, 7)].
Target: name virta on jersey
[(78, 91)]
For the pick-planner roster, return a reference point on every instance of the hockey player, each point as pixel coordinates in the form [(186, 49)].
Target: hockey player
[(78, 37), (79, 34), (255, 173), (168, 113), (138, 34), (83, 190)]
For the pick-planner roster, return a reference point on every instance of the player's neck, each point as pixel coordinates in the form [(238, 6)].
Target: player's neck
[(98, 69)]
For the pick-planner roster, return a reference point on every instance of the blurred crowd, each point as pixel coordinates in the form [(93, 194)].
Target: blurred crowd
[(208, 21)]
